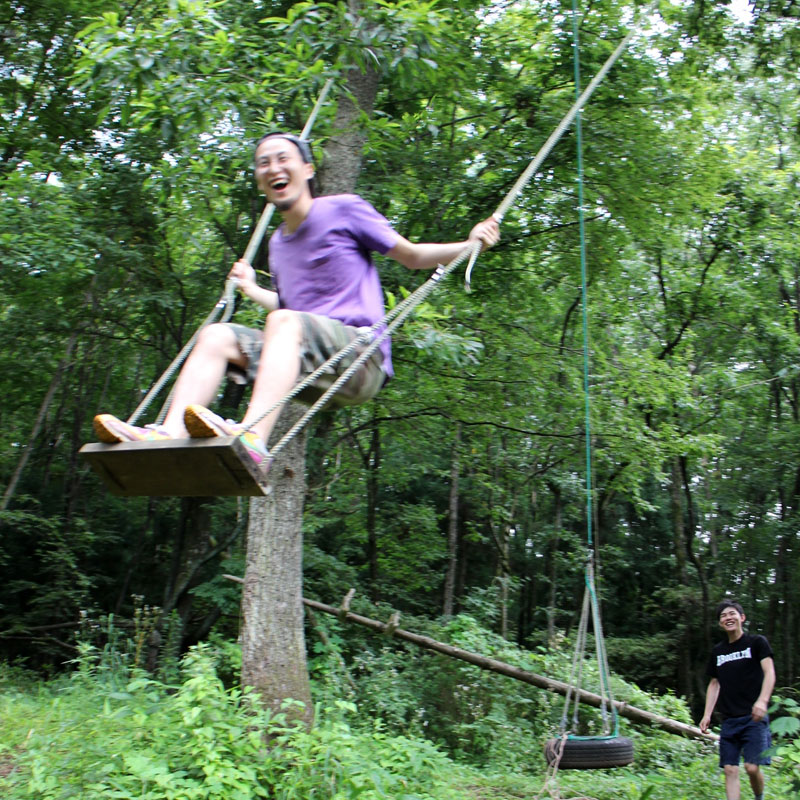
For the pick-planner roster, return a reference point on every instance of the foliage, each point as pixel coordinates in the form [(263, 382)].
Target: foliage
[(108, 731), (125, 195), (475, 715), (86, 738), (786, 728)]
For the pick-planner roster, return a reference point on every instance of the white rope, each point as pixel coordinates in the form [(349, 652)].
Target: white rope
[(576, 672), (395, 317), (225, 303), (525, 178)]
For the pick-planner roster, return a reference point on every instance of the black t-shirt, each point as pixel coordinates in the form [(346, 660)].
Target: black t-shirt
[(737, 667)]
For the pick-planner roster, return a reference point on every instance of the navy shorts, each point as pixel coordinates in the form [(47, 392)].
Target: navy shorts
[(743, 737)]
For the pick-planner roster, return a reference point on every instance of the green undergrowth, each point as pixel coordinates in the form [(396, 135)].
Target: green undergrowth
[(108, 731), (476, 716), (112, 735)]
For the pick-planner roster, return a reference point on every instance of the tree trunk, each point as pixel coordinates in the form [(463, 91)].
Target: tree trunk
[(554, 545), (344, 150), (679, 543), (373, 462), (273, 641), (698, 664), (37, 425), (452, 526)]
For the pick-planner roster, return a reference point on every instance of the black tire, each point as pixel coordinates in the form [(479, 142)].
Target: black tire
[(591, 753)]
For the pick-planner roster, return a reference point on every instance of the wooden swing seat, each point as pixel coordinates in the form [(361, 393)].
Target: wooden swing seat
[(216, 467)]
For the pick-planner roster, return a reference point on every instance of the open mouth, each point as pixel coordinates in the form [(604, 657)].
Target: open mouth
[(279, 185)]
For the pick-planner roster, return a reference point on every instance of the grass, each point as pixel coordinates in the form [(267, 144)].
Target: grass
[(98, 734)]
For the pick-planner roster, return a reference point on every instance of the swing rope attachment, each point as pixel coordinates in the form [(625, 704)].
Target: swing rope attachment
[(609, 749)]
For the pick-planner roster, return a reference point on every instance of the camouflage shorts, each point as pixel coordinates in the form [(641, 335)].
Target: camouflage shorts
[(322, 339)]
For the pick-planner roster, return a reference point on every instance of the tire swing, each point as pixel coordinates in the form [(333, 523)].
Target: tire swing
[(598, 753), (569, 750), (608, 750)]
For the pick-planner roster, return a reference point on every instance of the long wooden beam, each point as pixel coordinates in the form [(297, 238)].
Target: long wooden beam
[(501, 668)]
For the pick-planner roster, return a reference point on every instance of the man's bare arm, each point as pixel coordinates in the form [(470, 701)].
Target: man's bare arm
[(246, 277), (427, 255), (767, 685), (712, 694)]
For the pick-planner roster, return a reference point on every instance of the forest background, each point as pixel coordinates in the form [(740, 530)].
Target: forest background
[(127, 193)]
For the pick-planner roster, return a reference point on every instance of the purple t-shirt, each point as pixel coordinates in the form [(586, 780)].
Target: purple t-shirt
[(324, 267)]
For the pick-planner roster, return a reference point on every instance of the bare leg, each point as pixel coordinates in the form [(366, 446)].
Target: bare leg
[(278, 370), (732, 791), (202, 373), (756, 778)]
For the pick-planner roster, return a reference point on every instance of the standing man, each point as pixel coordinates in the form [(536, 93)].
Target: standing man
[(742, 676), (326, 291)]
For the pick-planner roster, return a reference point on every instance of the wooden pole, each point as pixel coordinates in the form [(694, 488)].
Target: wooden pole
[(501, 668)]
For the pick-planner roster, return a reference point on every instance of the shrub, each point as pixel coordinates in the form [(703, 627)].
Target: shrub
[(786, 729)]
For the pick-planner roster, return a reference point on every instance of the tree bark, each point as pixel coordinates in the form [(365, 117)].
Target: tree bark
[(344, 149), (372, 465), (273, 641), (554, 544), (452, 526), (679, 542)]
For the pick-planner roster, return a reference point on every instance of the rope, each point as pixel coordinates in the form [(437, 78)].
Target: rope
[(590, 600), (550, 784), (397, 316), (602, 660), (590, 594), (225, 301), (403, 309), (525, 178), (576, 671)]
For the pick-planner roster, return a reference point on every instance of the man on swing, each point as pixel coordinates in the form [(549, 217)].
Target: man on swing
[(327, 289)]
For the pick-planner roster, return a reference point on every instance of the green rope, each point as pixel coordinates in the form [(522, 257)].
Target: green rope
[(584, 303), (602, 661)]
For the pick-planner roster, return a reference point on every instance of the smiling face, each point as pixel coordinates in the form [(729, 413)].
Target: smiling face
[(731, 621), (282, 174)]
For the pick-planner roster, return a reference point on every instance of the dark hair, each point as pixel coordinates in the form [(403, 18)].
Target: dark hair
[(729, 604), (302, 145)]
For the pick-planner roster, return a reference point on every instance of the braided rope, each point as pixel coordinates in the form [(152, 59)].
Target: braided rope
[(527, 175), (395, 318), (576, 671)]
